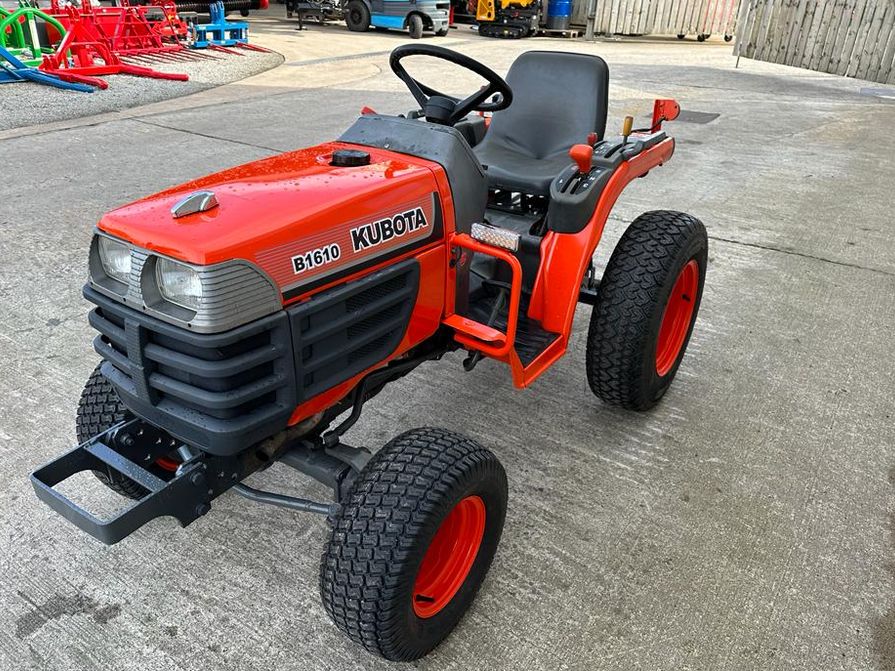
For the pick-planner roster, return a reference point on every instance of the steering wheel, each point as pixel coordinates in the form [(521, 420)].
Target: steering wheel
[(444, 109)]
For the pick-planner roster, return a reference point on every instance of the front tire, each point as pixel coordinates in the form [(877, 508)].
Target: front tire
[(413, 542), (99, 409), (357, 16), (415, 26), (646, 307), (442, 32)]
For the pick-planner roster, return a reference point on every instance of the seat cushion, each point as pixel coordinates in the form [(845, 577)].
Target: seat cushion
[(515, 171), (558, 99)]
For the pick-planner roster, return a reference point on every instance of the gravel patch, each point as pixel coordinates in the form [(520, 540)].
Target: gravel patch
[(27, 104)]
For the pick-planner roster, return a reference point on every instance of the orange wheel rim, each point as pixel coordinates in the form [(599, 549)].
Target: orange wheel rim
[(167, 464), (449, 558), (677, 317)]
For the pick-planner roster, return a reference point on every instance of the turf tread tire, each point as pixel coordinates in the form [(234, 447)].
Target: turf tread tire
[(621, 338), (99, 409), (381, 534)]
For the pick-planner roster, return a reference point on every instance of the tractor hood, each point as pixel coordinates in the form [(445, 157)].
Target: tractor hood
[(295, 215)]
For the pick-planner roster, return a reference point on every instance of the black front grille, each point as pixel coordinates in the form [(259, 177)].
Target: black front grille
[(221, 379), (224, 392), (238, 378), (213, 390), (345, 330)]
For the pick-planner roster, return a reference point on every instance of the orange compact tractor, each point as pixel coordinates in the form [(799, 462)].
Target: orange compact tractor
[(245, 318)]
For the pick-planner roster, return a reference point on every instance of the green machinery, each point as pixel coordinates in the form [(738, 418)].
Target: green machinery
[(29, 33)]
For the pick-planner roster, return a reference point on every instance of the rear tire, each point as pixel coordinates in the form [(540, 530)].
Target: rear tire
[(646, 307), (415, 26), (99, 409), (378, 581), (357, 16)]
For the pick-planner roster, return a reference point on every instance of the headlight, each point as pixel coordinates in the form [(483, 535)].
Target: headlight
[(178, 283), (116, 259)]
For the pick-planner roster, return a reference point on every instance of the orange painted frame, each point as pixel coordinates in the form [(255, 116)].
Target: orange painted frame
[(475, 334), (565, 259)]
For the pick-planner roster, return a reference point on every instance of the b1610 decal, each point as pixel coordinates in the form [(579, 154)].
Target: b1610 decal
[(328, 249), (316, 258)]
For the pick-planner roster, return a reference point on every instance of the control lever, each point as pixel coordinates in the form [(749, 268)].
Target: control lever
[(626, 128), (582, 155)]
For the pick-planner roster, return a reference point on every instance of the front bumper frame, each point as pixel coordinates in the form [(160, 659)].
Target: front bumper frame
[(196, 483), (186, 497)]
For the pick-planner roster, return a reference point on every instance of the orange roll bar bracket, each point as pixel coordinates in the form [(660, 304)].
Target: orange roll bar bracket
[(478, 336)]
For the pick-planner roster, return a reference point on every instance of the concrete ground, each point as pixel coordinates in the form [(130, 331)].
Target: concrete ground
[(746, 523)]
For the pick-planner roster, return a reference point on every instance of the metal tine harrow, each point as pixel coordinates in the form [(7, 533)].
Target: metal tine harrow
[(84, 54), (77, 44), (14, 70)]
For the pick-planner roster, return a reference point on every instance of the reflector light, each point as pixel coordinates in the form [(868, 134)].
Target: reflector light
[(496, 237)]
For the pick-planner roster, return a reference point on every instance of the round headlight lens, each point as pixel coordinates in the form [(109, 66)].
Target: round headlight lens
[(116, 259), (178, 283)]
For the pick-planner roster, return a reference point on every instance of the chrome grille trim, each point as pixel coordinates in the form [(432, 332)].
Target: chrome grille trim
[(235, 292)]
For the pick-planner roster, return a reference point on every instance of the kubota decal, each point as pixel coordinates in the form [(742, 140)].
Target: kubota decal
[(383, 230), (327, 248)]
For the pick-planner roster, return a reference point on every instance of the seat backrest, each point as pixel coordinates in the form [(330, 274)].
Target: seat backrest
[(558, 98)]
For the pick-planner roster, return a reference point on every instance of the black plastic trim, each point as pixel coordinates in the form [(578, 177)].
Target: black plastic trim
[(225, 414), (224, 392), (341, 332), (571, 207), (440, 144)]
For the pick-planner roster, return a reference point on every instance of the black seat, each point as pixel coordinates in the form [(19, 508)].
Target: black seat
[(558, 98)]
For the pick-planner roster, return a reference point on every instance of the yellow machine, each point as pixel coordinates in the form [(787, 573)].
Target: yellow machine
[(508, 18)]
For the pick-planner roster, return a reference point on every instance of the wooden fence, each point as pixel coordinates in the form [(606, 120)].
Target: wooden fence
[(659, 17), (855, 38)]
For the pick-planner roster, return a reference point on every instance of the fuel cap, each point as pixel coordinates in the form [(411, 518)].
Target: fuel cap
[(350, 158)]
